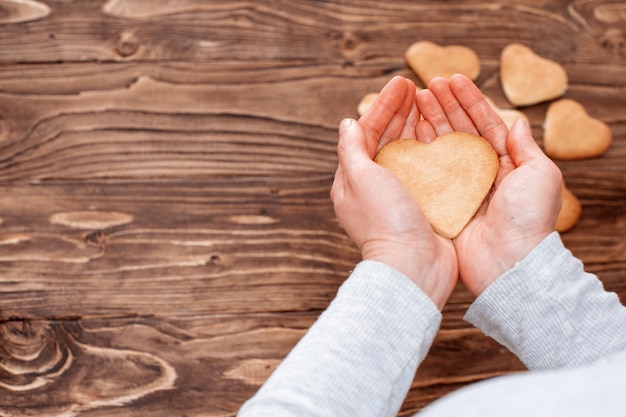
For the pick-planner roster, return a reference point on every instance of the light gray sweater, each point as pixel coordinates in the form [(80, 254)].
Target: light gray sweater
[(361, 355)]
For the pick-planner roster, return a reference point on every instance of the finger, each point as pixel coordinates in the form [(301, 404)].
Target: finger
[(386, 118), (431, 109), (521, 144), (414, 116), (337, 189), (401, 127), (383, 110), (425, 132), (352, 146), (489, 124), (407, 115), (455, 113), (537, 167)]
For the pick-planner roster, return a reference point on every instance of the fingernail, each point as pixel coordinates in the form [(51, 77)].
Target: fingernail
[(522, 123), (345, 124)]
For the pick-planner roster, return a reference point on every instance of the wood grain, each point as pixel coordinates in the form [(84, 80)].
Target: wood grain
[(166, 233), (197, 366)]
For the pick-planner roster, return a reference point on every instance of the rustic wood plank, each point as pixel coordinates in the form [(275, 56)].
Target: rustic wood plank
[(200, 366), (230, 246), (155, 129), (188, 248), (321, 31), (80, 135)]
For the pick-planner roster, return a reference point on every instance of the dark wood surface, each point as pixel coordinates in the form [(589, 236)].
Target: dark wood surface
[(166, 234)]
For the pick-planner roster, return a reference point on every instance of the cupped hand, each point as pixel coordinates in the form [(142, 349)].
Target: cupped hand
[(522, 207), (376, 210)]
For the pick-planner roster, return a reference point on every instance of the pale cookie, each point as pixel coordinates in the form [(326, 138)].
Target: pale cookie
[(448, 177), (528, 78), (508, 116), (429, 60), (570, 210), (365, 103), (570, 133)]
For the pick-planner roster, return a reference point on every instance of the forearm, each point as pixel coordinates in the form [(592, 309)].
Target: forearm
[(360, 357), (550, 312)]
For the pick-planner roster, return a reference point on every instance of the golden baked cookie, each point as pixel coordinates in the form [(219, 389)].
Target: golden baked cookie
[(429, 60), (570, 133), (570, 212), (528, 78), (449, 177)]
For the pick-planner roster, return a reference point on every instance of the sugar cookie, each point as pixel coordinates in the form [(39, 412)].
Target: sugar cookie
[(528, 78), (570, 133), (570, 212), (449, 177), (429, 60)]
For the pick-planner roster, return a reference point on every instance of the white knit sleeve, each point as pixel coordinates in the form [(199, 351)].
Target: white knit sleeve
[(550, 312), (360, 357)]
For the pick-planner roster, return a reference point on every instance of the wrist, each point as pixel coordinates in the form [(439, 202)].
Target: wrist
[(502, 256), (435, 277)]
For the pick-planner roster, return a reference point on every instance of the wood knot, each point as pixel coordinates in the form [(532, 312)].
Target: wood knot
[(96, 238), (613, 41), (30, 354), (23, 340), (127, 44), (345, 41), (349, 41), (76, 375)]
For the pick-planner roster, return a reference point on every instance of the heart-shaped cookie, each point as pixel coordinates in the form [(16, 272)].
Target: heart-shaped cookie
[(448, 177), (429, 60), (528, 78), (570, 133), (570, 210)]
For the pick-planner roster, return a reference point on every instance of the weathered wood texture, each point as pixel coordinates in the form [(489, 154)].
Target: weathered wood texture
[(166, 234)]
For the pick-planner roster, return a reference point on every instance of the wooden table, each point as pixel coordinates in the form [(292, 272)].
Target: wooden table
[(166, 234)]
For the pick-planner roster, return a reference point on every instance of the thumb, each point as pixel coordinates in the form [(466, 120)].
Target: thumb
[(525, 151), (352, 146), (521, 144), (351, 140)]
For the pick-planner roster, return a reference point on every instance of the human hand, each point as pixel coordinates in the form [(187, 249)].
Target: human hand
[(376, 210), (522, 207)]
